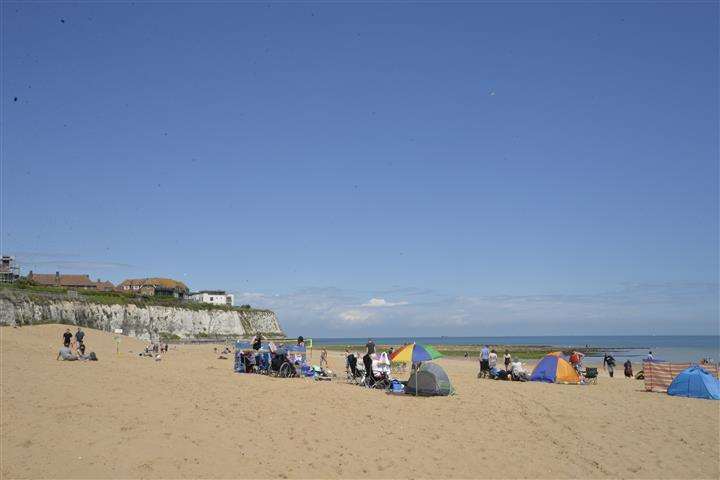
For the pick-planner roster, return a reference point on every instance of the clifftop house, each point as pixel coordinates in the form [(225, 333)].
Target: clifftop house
[(216, 297), (69, 281), (154, 286)]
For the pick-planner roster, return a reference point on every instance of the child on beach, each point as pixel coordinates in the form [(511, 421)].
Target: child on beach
[(323, 358), (508, 360)]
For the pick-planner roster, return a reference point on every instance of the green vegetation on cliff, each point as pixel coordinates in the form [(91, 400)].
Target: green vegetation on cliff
[(42, 294)]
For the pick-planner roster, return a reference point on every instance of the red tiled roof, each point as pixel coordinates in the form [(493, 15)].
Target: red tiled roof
[(105, 286), (155, 282), (65, 280)]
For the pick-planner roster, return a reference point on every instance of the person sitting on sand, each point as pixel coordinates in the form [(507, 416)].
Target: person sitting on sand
[(82, 356), (650, 356), (628, 368), (66, 354)]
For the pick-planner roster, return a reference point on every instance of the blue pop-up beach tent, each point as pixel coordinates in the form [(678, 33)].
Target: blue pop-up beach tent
[(695, 382)]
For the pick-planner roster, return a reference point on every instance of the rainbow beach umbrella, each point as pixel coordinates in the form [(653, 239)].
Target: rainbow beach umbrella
[(415, 352)]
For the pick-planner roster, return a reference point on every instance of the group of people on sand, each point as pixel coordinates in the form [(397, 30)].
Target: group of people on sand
[(376, 368), (259, 360), (154, 350), (74, 347), (513, 370), (609, 366), (510, 370)]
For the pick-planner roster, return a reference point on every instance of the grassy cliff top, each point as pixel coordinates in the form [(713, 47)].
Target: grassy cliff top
[(42, 293)]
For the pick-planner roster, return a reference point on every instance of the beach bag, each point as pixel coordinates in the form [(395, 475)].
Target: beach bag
[(397, 387)]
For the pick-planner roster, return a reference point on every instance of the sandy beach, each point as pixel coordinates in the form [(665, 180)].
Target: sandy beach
[(189, 416)]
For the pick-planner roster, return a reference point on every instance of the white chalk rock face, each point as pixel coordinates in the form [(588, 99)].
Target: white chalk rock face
[(20, 308)]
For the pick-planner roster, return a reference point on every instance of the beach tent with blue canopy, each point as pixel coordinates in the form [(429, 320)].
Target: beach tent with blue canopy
[(553, 368), (695, 382)]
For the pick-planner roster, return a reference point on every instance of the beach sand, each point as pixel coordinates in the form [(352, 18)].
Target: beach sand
[(189, 416)]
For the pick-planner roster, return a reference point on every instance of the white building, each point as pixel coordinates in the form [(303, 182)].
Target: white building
[(216, 297)]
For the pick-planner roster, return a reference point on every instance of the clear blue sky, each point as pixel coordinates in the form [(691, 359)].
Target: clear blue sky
[(475, 168)]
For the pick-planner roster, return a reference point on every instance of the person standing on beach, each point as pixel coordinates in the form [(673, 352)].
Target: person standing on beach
[(610, 361), (628, 368), (67, 337), (507, 359), (484, 365), (257, 342), (367, 358), (370, 346), (323, 358), (492, 361), (347, 358), (79, 335)]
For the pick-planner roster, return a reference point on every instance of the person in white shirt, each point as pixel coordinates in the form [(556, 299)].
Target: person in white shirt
[(492, 359)]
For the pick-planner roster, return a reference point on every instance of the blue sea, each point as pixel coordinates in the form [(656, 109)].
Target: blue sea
[(673, 348)]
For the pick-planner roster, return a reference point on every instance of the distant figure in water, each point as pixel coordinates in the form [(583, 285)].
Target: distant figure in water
[(628, 368)]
